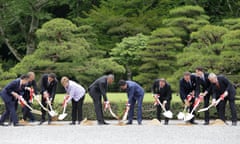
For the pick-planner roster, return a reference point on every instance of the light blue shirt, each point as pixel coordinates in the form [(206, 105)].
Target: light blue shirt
[(75, 91)]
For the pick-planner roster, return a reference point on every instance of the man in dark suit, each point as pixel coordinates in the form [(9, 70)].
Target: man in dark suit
[(135, 94), (223, 89), (97, 90), (187, 91), (10, 95), (48, 91), (163, 91), (30, 90), (203, 86)]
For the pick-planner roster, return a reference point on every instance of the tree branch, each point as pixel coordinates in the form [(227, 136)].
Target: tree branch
[(6, 40)]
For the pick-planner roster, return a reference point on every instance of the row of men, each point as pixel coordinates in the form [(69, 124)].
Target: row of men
[(198, 85)]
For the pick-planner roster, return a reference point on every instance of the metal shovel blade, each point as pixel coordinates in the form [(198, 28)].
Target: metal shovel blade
[(180, 115), (188, 116), (62, 116), (168, 114), (52, 113)]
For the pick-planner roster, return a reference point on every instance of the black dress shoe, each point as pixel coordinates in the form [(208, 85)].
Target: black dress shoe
[(17, 124), (41, 122), (2, 124), (193, 122), (103, 123), (72, 123), (234, 123), (129, 123), (106, 123), (166, 123), (206, 123)]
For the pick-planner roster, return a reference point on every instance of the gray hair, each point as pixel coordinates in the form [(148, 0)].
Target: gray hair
[(212, 75), (111, 76)]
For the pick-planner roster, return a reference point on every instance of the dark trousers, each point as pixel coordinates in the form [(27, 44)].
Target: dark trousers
[(97, 105), (221, 109), (139, 101), (206, 104), (159, 110), (27, 113), (77, 110), (44, 103), (10, 111), (191, 108)]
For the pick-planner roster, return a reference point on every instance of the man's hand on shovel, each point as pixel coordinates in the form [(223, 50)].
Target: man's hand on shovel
[(106, 105)]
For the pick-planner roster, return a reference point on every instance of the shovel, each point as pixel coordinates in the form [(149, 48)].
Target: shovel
[(112, 113), (182, 114), (63, 115), (31, 109), (125, 114), (44, 108), (51, 112), (189, 116), (211, 105), (166, 113)]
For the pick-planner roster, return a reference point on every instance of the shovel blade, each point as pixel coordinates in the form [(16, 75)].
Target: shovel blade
[(188, 117), (168, 114), (52, 113), (62, 116), (180, 115)]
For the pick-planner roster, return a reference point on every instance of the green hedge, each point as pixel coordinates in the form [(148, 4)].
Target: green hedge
[(149, 111)]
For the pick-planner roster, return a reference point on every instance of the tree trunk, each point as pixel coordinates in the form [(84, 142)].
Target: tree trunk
[(31, 38), (129, 73)]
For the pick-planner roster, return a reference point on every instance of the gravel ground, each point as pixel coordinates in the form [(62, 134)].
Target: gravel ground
[(174, 133)]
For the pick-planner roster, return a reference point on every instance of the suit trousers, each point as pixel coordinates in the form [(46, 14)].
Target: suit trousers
[(97, 105), (222, 106), (206, 104), (159, 110), (139, 101), (44, 103), (27, 113), (77, 110), (10, 111)]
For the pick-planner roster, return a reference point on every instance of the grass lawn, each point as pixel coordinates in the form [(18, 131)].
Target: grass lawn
[(118, 97)]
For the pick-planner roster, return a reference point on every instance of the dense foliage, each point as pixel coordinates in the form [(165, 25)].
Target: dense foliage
[(135, 39)]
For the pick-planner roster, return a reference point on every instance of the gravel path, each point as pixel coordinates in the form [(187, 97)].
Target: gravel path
[(174, 133)]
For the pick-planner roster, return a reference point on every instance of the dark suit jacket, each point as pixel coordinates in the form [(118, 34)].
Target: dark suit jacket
[(186, 88), (33, 85), (225, 85), (165, 92), (50, 88), (203, 85), (99, 87), (13, 86)]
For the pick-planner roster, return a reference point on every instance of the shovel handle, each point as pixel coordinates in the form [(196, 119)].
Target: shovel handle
[(113, 114), (64, 109), (41, 104), (158, 101)]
